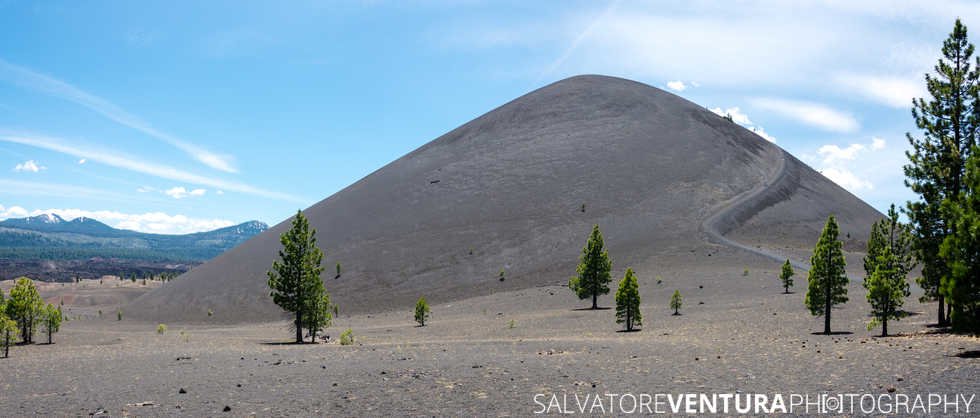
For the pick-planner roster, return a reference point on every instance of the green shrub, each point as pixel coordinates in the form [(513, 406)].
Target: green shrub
[(421, 311), (347, 337), (161, 329)]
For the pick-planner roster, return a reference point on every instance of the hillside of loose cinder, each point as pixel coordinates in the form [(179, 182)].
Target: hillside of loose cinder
[(518, 189)]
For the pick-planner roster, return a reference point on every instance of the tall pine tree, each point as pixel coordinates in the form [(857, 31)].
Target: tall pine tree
[(962, 248), (827, 282), (295, 277), (948, 122), (593, 270), (628, 302)]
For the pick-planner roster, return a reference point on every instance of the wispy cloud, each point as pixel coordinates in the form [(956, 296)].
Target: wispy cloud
[(152, 222), (581, 36), (30, 166), (35, 188), (809, 113), (134, 164), (180, 192), (896, 92), (57, 88)]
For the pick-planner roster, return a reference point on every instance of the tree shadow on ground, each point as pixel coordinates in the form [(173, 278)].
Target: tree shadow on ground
[(601, 308), (288, 343), (630, 331), (833, 333), (969, 354)]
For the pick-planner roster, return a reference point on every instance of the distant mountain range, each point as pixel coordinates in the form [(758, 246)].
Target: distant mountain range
[(50, 237)]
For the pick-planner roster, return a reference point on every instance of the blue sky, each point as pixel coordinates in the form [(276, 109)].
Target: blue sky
[(185, 116)]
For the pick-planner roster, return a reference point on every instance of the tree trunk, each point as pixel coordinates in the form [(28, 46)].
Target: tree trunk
[(949, 314), (595, 297), (827, 308), (629, 322), (942, 312), (884, 327), (299, 327), (49, 335), (6, 344)]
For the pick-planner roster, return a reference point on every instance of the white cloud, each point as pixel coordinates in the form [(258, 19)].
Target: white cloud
[(152, 222), (54, 87), (676, 86), (846, 179), (813, 114), (741, 118), (877, 143), (833, 153), (12, 212), (761, 132), (853, 167), (736, 113), (891, 91), (180, 192), (29, 166), (131, 163), (82, 161)]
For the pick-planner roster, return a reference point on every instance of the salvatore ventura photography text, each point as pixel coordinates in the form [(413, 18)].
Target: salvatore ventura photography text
[(572, 403)]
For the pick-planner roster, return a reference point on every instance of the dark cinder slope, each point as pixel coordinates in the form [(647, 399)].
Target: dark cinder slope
[(518, 189)]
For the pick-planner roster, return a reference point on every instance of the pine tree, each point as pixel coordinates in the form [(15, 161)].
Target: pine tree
[(8, 328), (421, 311), (962, 248), (628, 302), (51, 318), (890, 255), (827, 281), (295, 277), (25, 307), (786, 276), (897, 238), (593, 270), (887, 289), (320, 313), (936, 161), (675, 302), (8, 332)]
